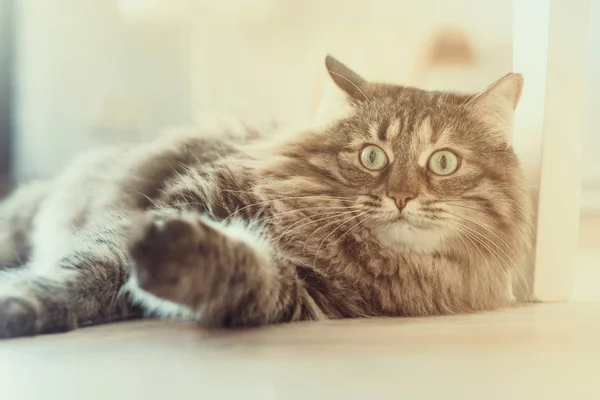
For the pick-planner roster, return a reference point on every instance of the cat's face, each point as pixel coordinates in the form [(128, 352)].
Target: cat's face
[(422, 169), (424, 165)]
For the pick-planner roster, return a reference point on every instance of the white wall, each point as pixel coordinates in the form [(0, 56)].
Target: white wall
[(5, 84), (591, 174), (93, 71), (85, 76), (271, 66)]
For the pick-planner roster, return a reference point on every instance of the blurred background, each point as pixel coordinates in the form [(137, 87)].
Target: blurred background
[(76, 74)]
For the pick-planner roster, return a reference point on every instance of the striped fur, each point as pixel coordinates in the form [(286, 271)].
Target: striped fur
[(236, 226)]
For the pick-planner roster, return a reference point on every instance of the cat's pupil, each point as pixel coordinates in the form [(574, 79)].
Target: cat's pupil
[(443, 162), (372, 157)]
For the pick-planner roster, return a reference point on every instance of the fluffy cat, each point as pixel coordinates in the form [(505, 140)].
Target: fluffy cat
[(399, 202)]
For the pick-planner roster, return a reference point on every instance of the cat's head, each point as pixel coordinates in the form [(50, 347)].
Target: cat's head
[(424, 170)]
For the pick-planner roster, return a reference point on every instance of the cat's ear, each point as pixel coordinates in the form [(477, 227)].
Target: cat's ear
[(498, 102), (342, 87), (345, 79)]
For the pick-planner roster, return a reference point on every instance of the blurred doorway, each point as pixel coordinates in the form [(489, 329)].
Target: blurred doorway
[(6, 70)]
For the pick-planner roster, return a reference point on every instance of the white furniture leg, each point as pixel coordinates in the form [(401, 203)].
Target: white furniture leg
[(551, 49)]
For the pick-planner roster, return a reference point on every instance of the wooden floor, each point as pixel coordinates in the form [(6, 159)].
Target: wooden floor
[(549, 351), (545, 351)]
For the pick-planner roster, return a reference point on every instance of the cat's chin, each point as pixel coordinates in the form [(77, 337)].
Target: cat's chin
[(402, 237)]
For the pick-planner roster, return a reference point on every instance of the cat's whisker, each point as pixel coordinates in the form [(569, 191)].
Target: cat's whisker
[(252, 192), (353, 227), (293, 227), (318, 229), (256, 204), (460, 237), (320, 198), (504, 263), (472, 239), (517, 268), (315, 231), (460, 203), (333, 231), (508, 261), (461, 232), (340, 210), (485, 242), (508, 264), (482, 226), (278, 214)]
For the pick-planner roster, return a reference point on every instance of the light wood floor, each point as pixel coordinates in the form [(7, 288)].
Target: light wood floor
[(549, 351), (545, 351)]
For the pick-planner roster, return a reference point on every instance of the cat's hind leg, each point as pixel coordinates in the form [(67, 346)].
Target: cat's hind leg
[(82, 287)]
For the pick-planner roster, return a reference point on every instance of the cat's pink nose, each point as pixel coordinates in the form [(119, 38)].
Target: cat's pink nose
[(401, 198)]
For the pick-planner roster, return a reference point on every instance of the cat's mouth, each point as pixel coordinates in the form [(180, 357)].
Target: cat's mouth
[(414, 221), (409, 232), (411, 216), (407, 219)]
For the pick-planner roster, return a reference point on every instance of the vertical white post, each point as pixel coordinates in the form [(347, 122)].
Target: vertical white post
[(551, 50)]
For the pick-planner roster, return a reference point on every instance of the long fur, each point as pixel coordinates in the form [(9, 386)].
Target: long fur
[(238, 226)]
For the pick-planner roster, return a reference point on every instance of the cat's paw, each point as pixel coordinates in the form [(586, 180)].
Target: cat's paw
[(170, 257), (17, 318), (23, 317)]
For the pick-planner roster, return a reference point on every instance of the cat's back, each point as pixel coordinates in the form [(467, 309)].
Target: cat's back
[(121, 179)]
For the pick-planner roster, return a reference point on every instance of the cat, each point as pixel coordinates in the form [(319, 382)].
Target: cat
[(395, 202)]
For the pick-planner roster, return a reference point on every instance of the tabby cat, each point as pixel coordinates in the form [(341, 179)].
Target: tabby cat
[(396, 202)]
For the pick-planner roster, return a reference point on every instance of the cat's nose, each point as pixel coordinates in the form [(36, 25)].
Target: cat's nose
[(401, 198)]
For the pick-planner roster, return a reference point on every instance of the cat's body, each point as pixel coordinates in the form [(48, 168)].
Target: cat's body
[(260, 226)]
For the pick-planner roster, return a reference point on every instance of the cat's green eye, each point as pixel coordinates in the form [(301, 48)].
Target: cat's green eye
[(443, 162), (373, 158)]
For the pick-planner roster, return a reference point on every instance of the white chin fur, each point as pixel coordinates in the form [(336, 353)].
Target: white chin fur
[(401, 236), (404, 236)]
